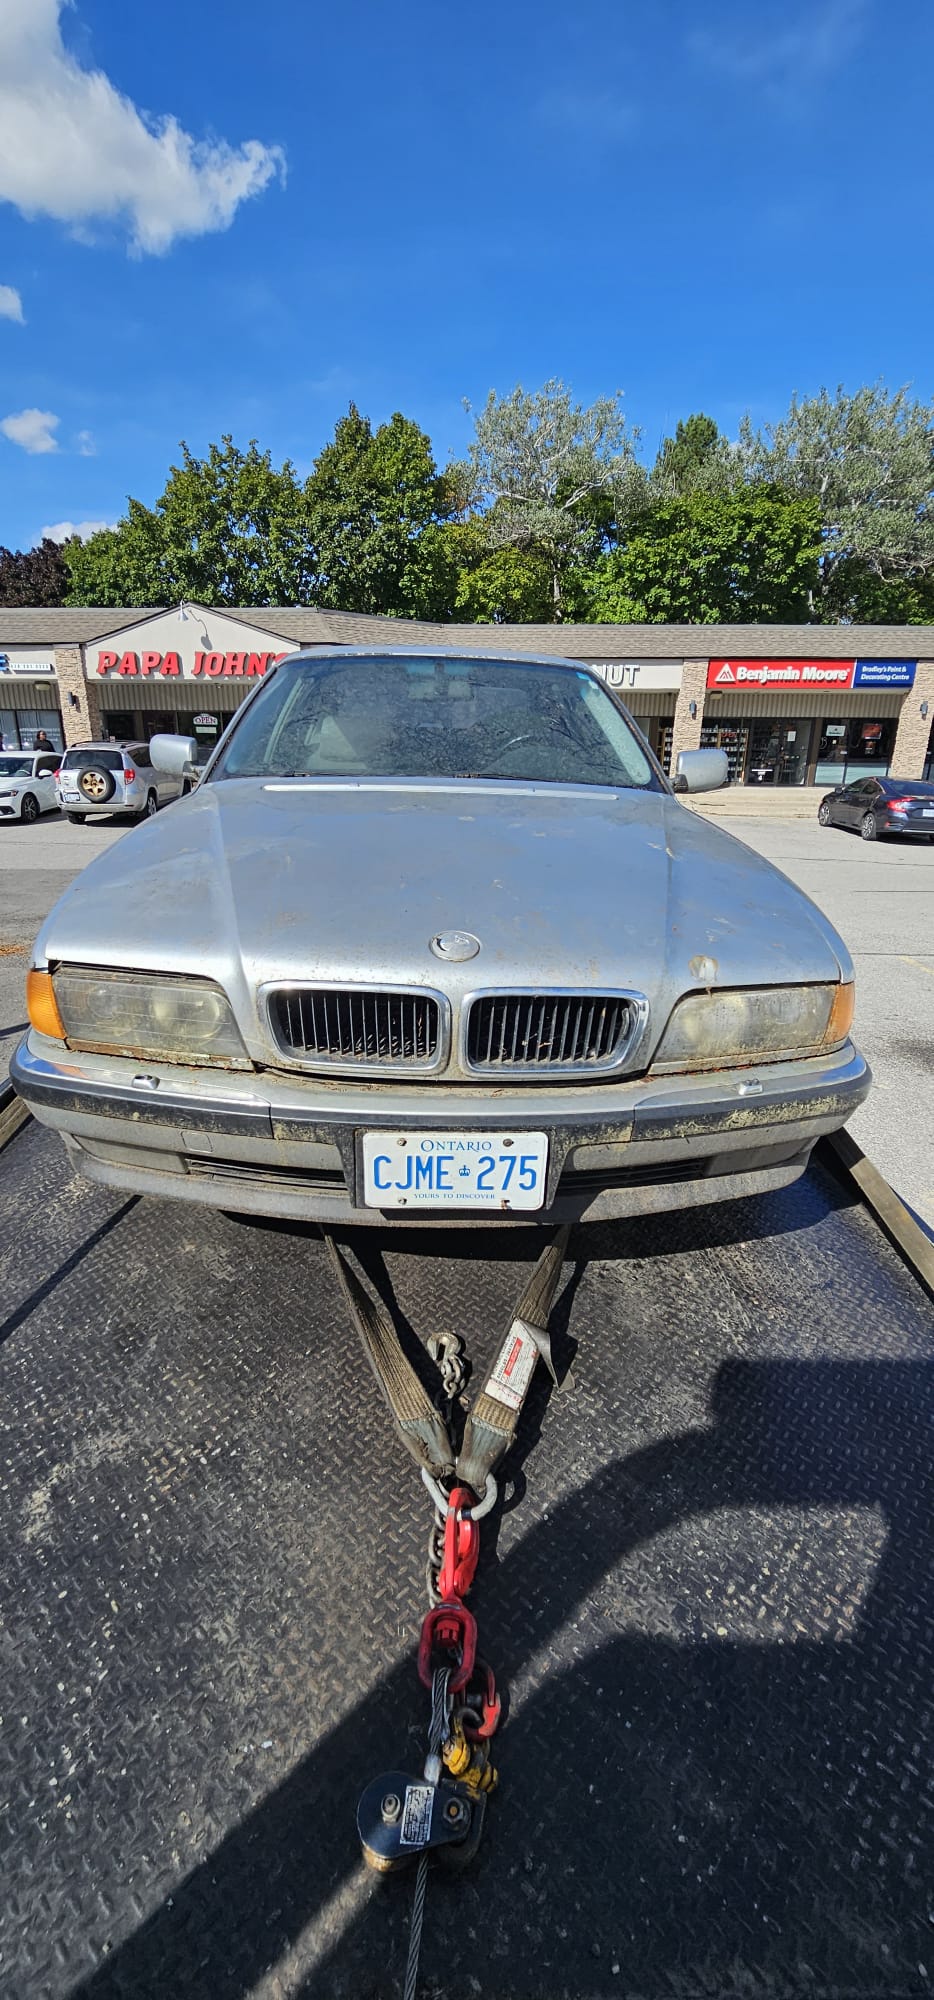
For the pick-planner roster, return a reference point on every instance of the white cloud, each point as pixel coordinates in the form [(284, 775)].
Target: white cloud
[(85, 444), (32, 429), (74, 148), (11, 305), (794, 56), (61, 531)]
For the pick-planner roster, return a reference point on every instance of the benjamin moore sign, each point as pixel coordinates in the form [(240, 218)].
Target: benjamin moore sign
[(812, 674)]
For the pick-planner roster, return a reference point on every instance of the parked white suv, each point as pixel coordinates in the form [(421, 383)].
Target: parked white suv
[(98, 778), (27, 784)]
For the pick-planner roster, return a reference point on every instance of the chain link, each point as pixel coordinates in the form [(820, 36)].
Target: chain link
[(447, 1351)]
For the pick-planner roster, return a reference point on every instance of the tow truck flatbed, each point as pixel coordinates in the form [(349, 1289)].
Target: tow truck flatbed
[(713, 1608)]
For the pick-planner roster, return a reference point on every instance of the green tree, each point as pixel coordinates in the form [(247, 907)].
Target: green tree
[(868, 459), (698, 459), (548, 477), (374, 503), (749, 557), (230, 528), (497, 586), (34, 576)]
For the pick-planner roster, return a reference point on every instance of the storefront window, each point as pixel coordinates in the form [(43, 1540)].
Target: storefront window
[(858, 748), (732, 737), (119, 725), (19, 727)]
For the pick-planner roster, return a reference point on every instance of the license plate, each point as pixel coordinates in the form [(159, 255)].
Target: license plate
[(927, 812), (496, 1170), (70, 798)]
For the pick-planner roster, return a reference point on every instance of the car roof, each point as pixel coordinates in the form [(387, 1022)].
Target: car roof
[(435, 653), (117, 743), (906, 785)]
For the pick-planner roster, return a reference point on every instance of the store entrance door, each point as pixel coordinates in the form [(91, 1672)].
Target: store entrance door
[(778, 751), (159, 722)]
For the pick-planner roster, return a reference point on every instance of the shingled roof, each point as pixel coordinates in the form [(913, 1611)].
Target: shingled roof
[(304, 625)]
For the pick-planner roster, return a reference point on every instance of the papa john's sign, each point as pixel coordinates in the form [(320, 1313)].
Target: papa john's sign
[(792, 674), (175, 666)]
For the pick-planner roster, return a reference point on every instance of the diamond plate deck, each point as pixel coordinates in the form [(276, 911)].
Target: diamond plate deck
[(710, 1595)]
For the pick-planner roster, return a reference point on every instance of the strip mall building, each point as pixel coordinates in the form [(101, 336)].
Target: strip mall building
[(790, 704)]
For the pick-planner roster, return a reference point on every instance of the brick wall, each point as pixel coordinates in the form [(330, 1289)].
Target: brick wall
[(914, 729), (686, 733), (84, 721)]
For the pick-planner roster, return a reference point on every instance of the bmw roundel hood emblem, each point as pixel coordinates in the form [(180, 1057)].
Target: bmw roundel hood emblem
[(455, 946)]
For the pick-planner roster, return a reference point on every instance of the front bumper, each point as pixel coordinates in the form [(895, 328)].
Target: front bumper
[(271, 1144)]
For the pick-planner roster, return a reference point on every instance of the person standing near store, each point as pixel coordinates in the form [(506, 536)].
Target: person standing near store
[(43, 742)]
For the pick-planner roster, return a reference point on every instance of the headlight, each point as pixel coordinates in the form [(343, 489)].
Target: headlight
[(755, 1024), (147, 1014)]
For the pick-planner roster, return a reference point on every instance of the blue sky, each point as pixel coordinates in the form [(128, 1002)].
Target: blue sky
[(217, 216)]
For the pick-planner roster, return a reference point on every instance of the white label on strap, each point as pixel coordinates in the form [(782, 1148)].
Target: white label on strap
[(513, 1367), (416, 1816)]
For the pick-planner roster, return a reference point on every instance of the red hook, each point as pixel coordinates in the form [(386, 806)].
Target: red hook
[(448, 1628)]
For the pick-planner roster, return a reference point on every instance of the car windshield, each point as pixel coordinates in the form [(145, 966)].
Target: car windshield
[(436, 717), (92, 759), (16, 767)]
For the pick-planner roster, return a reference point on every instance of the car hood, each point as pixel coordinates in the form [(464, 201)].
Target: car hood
[(246, 882)]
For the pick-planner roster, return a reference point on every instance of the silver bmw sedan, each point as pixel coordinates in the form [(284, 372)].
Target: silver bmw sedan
[(436, 940)]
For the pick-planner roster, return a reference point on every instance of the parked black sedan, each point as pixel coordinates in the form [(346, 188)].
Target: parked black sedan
[(876, 806)]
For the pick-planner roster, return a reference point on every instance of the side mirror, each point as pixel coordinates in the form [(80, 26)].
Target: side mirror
[(701, 771), (173, 754)]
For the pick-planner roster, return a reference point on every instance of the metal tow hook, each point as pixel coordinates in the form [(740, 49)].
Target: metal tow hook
[(400, 1817)]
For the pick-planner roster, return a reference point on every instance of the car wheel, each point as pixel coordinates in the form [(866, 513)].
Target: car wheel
[(869, 826), (823, 812), (29, 809), (152, 806), (97, 786), (77, 819)]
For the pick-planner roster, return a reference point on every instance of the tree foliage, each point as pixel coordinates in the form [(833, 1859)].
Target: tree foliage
[(34, 576), (548, 475), (868, 460), (746, 558), (371, 501), (698, 459), (826, 515), (230, 528)]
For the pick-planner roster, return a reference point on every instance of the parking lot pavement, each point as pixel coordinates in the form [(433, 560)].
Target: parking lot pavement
[(36, 864), (880, 897)]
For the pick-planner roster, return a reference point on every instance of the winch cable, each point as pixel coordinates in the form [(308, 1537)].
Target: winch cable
[(400, 1818)]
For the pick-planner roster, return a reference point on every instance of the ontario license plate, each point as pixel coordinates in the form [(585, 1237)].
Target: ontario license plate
[(927, 812), (70, 798), (497, 1170)]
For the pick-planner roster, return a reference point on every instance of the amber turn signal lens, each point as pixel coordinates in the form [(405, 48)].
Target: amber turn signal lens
[(841, 1015), (42, 1006)]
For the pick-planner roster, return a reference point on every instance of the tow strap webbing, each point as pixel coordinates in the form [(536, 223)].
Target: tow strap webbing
[(421, 1427), (491, 1423)]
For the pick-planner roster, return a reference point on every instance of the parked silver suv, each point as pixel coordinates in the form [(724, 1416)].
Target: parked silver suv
[(98, 778)]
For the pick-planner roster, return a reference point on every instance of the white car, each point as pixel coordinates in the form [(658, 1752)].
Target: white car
[(27, 783)]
